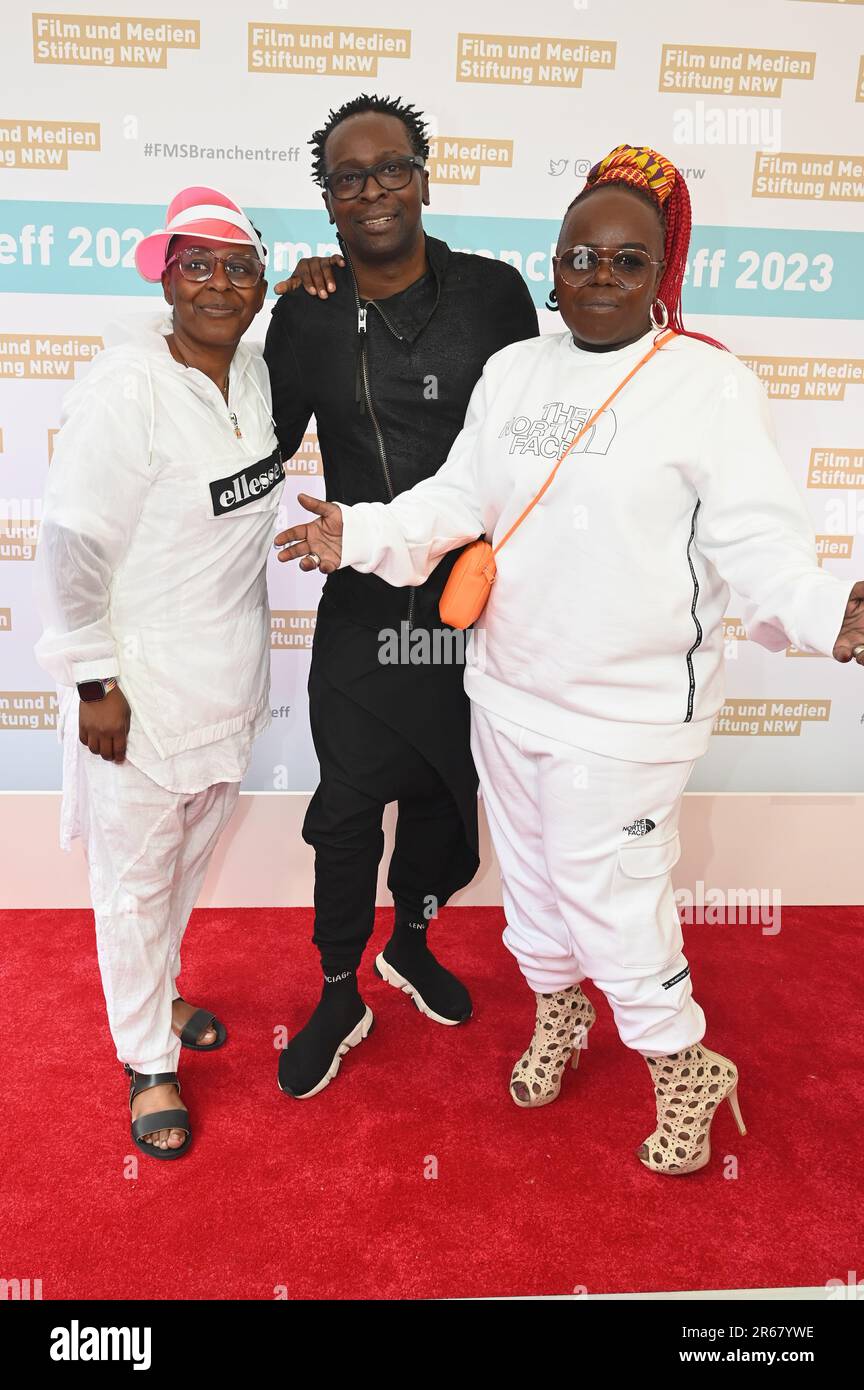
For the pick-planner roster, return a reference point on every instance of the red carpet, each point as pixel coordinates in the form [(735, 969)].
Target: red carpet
[(328, 1198)]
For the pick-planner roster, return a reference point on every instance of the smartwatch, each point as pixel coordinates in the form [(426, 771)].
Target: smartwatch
[(96, 689)]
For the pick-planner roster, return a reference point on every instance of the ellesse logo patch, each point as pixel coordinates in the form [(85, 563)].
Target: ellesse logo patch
[(248, 485)]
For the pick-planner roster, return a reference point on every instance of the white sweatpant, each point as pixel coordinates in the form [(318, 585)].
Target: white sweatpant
[(582, 896), (147, 853)]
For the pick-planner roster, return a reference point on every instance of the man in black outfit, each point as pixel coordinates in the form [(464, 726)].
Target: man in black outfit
[(387, 364)]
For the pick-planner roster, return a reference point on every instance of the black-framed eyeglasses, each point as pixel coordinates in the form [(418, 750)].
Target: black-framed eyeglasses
[(393, 173), (199, 263), (629, 266)]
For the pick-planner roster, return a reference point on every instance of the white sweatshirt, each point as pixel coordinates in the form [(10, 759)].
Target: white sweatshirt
[(157, 524), (604, 625)]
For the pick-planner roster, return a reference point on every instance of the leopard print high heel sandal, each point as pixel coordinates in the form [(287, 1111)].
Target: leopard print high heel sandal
[(689, 1086), (560, 1033)]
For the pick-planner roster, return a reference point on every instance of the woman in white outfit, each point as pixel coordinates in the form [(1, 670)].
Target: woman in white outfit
[(596, 669), (158, 519)]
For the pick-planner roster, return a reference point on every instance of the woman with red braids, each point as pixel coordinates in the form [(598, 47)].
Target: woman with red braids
[(596, 669)]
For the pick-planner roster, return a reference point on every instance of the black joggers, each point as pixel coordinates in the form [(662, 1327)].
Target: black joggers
[(364, 765)]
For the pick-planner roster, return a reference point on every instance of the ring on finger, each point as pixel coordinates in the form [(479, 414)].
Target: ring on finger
[(856, 651), (313, 555)]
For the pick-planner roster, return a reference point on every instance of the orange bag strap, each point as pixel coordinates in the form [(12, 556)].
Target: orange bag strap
[(588, 423)]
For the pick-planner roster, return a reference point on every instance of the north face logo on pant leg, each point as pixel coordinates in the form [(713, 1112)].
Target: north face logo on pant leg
[(676, 979), (639, 827)]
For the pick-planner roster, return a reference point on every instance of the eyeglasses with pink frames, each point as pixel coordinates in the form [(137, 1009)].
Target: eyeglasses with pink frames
[(198, 264)]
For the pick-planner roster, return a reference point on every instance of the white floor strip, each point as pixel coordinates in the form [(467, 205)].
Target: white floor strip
[(818, 1294)]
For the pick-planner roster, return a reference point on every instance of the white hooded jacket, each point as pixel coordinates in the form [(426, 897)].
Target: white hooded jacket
[(157, 524)]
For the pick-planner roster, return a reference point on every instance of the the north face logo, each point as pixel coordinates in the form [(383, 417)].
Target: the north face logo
[(639, 827), (676, 979)]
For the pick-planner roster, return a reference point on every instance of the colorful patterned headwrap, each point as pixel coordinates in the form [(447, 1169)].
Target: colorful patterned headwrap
[(639, 166)]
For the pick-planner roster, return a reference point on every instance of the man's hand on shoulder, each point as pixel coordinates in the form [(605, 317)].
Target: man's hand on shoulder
[(313, 274)]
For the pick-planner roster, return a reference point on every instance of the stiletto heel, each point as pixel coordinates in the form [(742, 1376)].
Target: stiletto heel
[(736, 1110)]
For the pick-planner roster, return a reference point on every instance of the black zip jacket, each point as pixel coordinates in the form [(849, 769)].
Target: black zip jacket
[(389, 406)]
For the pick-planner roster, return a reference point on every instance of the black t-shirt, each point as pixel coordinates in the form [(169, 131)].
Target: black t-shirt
[(409, 309)]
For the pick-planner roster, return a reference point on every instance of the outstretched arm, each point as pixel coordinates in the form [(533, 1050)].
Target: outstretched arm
[(754, 527), (403, 540)]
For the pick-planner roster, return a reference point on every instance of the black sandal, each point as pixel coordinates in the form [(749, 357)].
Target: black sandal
[(159, 1119), (196, 1025)]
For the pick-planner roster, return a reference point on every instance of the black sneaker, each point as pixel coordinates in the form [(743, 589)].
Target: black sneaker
[(313, 1056), (436, 993)]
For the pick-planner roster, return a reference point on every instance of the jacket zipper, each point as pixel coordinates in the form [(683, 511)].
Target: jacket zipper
[(229, 415), (382, 453), (362, 311), (399, 336)]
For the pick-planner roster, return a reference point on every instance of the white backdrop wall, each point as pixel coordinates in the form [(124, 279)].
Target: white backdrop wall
[(106, 114)]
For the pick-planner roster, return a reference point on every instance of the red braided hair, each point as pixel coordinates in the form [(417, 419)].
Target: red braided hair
[(654, 176)]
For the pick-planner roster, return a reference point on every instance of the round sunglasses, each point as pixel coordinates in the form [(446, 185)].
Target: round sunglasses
[(629, 266)]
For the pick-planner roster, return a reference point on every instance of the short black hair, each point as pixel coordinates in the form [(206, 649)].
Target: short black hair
[(412, 120), (628, 188)]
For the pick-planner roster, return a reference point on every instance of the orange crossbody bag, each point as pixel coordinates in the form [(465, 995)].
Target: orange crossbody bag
[(470, 582)]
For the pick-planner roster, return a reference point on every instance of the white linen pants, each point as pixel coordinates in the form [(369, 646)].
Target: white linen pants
[(585, 898), (147, 853)]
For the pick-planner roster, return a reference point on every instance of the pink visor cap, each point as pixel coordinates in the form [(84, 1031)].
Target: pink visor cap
[(200, 212)]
